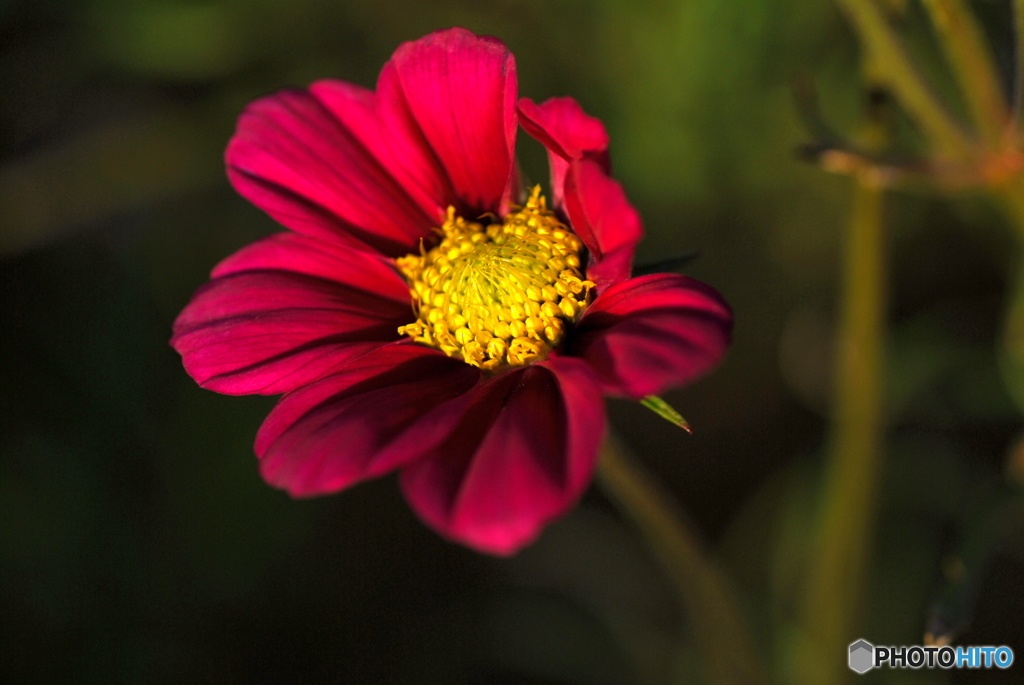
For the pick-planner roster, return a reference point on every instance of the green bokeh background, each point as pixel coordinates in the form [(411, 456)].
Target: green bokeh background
[(137, 541)]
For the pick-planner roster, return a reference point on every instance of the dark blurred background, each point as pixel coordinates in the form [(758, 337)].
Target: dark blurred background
[(137, 541)]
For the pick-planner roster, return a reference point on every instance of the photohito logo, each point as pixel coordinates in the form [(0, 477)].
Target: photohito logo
[(864, 656)]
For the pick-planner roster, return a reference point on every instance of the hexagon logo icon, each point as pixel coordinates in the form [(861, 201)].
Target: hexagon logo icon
[(862, 656)]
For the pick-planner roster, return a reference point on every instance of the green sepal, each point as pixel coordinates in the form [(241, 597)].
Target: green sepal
[(665, 411)]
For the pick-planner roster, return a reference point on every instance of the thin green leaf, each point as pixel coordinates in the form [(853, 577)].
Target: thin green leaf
[(666, 411)]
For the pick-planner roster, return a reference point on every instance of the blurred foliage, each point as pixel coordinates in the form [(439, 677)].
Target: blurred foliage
[(137, 542)]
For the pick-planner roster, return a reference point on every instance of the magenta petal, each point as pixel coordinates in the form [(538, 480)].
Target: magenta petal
[(393, 137), (568, 133), (318, 175), (285, 311), (378, 413), (655, 332), (301, 254), (596, 205), (460, 90), (522, 456)]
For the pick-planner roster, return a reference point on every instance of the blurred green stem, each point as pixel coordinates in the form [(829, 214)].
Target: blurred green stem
[(725, 644), (1012, 200), (900, 75), (973, 66), (1018, 94), (834, 590)]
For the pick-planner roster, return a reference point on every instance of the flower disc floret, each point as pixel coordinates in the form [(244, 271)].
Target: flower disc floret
[(498, 295)]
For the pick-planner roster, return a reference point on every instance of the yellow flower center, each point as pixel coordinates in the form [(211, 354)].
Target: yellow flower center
[(499, 295)]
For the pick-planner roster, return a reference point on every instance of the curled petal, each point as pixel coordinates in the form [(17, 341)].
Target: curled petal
[(522, 455), (596, 205), (319, 174), (284, 311), (655, 332), (379, 412), (568, 133), (583, 189), (458, 91)]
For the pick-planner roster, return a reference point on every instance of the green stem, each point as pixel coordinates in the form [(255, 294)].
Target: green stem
[(899, 74), (1018, 91), (728, 652), (834, 590), (968, 53), (1011, 359)]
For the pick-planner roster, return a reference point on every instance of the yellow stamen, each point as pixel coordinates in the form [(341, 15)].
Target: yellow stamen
[(500, 295)]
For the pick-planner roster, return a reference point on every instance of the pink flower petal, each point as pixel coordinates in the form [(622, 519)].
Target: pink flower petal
[(301, 254), (284, 311), (594, 203), (568, 133), (597, 202), (459, 89), (393, 137), (655, 332), (317, 174), (381, 411), (522, 456)]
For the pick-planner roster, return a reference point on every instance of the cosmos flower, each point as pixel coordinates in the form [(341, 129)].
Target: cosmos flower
[(427, 315)]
